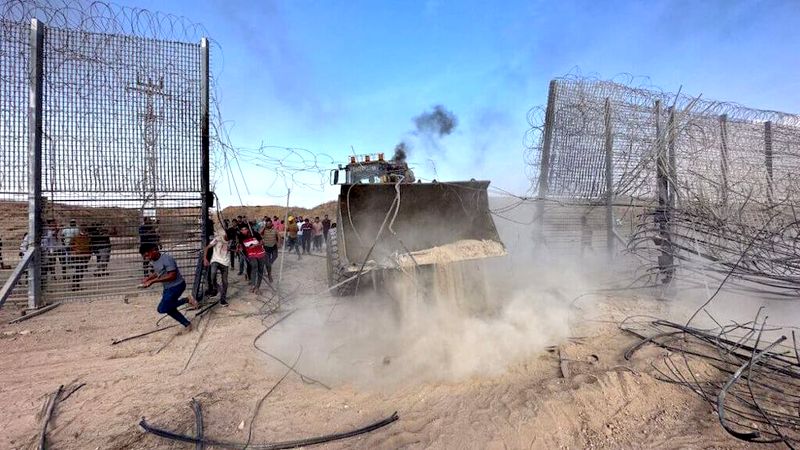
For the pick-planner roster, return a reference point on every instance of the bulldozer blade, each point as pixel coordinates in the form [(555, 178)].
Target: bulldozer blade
[(415, 217)]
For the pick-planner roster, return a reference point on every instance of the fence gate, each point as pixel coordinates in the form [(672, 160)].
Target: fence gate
[(103, 145)]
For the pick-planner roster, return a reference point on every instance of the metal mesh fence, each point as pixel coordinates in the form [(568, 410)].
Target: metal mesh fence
[(14, 98), (13, 145), (121, 155), (121, 115), (576, 154), (711, 183)]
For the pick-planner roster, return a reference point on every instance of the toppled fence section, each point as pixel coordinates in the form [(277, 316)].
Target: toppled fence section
[(711, 185)]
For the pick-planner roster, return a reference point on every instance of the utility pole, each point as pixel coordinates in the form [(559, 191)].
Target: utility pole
[(150, 89)]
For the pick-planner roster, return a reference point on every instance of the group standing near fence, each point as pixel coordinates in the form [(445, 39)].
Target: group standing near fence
[(255, 244), (67, 252)]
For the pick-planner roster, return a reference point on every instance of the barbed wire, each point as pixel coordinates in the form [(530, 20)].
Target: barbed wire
[(749, 373)]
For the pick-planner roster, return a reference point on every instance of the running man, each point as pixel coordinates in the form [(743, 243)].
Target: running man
[(270, 239), (165, 270), (256, 256)]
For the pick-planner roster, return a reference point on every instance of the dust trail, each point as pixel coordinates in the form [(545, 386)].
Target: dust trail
[(445, 321)]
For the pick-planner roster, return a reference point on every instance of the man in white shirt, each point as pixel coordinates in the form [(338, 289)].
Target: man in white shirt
[(53, 249), (300, 222), (220, 261)]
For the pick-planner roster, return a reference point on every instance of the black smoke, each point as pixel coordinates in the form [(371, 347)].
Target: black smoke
[(431, 125), (439, 122), (400, 152)]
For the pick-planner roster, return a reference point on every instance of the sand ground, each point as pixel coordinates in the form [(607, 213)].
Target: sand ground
[(604, 402)]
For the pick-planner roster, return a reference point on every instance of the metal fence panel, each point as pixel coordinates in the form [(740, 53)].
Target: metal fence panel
[(121, 158)]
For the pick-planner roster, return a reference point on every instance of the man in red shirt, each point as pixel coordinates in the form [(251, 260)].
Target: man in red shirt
[(256, 255)]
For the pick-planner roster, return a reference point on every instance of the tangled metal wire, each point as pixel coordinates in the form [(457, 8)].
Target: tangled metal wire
[(747, 372), (700, 176)]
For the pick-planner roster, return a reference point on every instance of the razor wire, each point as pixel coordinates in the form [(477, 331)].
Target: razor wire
[(726, 171), (103, 17)]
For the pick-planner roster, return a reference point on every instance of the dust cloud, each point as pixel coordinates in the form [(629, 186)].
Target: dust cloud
[(440, 323)]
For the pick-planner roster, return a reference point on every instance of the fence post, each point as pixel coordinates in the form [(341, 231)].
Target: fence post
[(205, 139), (35, 74), (723, 133), (663, 213), (544, 167), (205, 191), (609, 147), (768, 158)]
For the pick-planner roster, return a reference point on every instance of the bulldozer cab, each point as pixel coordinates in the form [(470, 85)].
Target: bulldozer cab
[(372, 170)]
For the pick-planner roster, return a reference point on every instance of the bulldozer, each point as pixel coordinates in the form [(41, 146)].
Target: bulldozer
[(386, 219)]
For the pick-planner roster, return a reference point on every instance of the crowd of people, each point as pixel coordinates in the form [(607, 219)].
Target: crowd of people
[(253, 244), (71, 249), (250, 245)]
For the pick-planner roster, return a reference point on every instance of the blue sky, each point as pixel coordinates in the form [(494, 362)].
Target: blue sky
[(328, 75)]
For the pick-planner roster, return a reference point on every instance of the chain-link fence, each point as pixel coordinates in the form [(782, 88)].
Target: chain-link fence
[(123, 151), (711, 184)]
